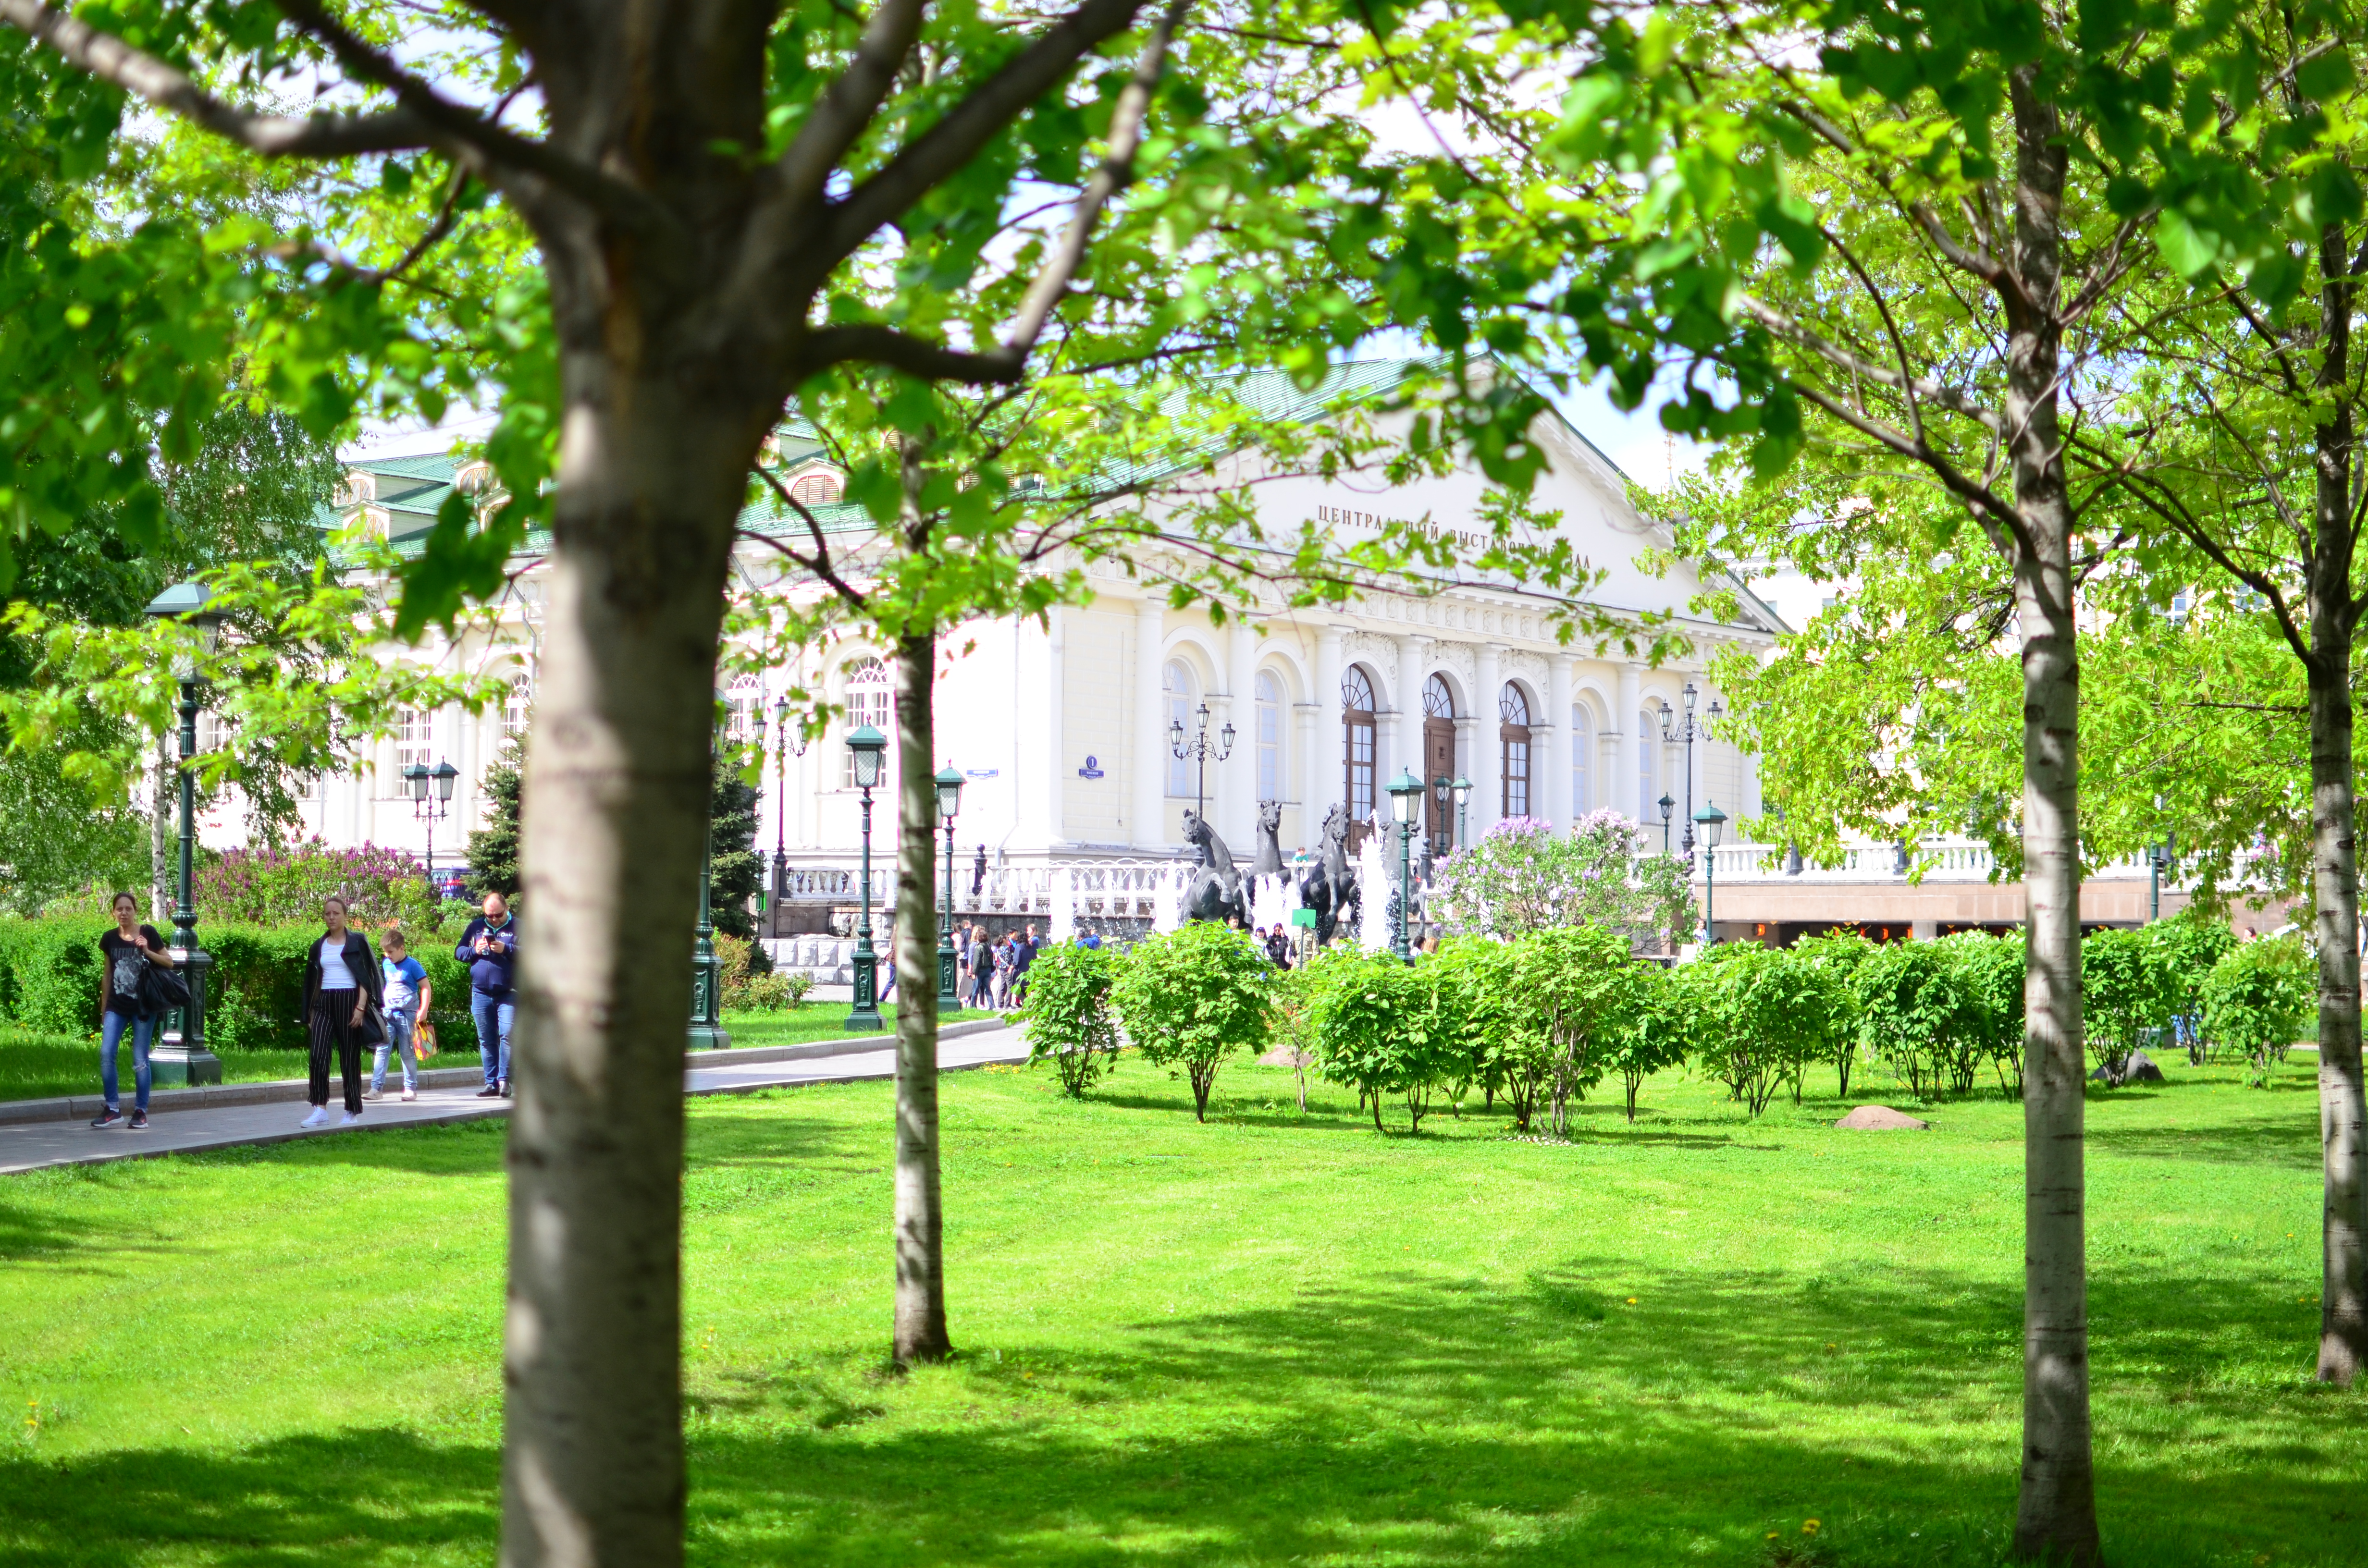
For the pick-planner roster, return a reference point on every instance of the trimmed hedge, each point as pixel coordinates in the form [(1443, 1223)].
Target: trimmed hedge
[(49, 977)]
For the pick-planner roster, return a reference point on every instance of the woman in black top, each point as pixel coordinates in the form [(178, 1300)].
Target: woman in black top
[(125, 954), (341, 984)]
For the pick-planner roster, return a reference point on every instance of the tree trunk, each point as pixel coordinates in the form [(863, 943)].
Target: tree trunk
[(2335, 872), (2056, 1517), (920, 1332), (617, 786)]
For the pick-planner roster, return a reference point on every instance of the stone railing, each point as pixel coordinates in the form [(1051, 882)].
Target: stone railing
[(1937, 860)]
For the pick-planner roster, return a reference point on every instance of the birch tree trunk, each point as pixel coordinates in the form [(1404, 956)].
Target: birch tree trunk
[(920, 1327), (2335, 865), (614, 815), (2057, 1517)]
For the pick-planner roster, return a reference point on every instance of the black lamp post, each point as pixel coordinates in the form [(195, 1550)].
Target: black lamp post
[(707, 970), (789, 741), (950, 787), (1712, 822), (2159, 860), (869, 747), (1686, 733), (1667, 807), (1406, 798), (183, 1057), (431, 802), (1463, 788), (1201, 749)]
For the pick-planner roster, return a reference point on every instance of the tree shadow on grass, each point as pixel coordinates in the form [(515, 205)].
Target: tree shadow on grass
[(367, 1496), (2290, 1140), (1601, 1410)]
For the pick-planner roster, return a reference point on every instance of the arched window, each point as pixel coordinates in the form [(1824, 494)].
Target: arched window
[(1181, 691), (867, 693), (1357, 721), (745, 709), (1439, 761), (518, 707), (413, 729), (1648, 737), (1270, 736), (1582, 752), (1513, 735), (817, 488)]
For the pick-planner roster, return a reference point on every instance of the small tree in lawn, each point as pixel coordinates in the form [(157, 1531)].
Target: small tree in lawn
[(2127, 987), (1991, 968), (1763, 1015), (1068, 1019), (1386, 1029), (1497, 1042), (2189, 945), (1193, 997), (1920, 1013), (1657, 1032), (1840, 953), (1580, 982), (2257, 999)]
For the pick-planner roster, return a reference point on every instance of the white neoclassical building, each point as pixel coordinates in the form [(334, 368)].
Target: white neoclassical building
[(1064, 729)]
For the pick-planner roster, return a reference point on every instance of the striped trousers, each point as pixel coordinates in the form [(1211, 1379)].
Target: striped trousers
[(332, 1024)]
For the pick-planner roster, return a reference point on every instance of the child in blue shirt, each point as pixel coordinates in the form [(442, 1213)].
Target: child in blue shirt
[(408, 996)]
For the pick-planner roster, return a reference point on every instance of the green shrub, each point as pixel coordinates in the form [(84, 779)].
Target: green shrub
[(2190, 945), (1993, 969), (1385, 1028), (1761, 1014), (1578, 987), (1193, 997), (1657, 1032), (1068, 1017), (778, 991), (1919, 1012), (1841, 953), (2257, 999), (2128, 986)]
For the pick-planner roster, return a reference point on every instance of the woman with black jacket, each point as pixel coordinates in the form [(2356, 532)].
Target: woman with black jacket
[(341, 987)]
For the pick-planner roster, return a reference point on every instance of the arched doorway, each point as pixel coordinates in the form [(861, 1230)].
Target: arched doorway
[(1357, 747), (1513, 735), (1439, 761)]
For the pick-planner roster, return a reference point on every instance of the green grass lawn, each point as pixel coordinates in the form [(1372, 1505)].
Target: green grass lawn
[(1271, 1339), (810, 1020), (35, 1066)]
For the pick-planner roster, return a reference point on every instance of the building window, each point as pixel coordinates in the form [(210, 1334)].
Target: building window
[(867, 693), (412, 729), (1438, 762), (1181, 692), (1582, 749), (819, 488), (744, 710), (518, 708), (1648, 735), (1270, 736), (1357, 719), (1513, 735)]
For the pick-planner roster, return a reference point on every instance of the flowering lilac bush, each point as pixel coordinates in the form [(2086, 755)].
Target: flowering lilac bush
[(272, 886), (1522, 876)]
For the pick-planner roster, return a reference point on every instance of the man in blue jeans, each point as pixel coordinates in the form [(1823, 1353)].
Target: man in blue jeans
[(489, 947)]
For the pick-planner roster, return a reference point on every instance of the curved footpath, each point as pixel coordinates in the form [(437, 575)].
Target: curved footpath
[(37, 1133)]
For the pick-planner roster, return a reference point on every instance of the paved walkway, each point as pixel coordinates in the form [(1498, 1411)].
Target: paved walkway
[(26, 1146)]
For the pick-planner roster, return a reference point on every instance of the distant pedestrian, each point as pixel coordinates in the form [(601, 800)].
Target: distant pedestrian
[(341, 984), (124, 956), (1023, 953), (489, 947), (1004, 971), (408, 997), (1278, 948)]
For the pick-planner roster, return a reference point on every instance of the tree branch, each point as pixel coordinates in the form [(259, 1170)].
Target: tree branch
[(144, 75)]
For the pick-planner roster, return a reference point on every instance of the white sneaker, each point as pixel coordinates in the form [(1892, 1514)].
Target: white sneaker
[(410, 1094), (373, 1093), (320, 1118), (352, 1118)]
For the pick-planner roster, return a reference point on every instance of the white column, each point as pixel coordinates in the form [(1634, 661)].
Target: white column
[(1561, 809), (1236, 793), (1054, 750), (1303, 785), (1620, 764), (1406, 745), (1327, 765), (1150, 823), (1487, 773)]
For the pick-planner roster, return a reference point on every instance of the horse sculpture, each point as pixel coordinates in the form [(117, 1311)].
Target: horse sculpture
[(1329, 888), (1270, 850), (1215, 891)]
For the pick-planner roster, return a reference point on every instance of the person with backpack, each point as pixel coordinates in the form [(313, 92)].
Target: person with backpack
[(342, 987), (124, 957), (981, 970), (489, 947), (408, 997)]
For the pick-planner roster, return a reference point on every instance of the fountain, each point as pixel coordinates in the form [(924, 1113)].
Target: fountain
[(1373, 889), (1065, 904)]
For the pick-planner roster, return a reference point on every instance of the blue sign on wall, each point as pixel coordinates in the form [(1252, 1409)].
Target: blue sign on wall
[(1092, 769)]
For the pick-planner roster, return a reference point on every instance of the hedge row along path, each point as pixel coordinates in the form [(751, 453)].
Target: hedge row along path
[(26, 1145)]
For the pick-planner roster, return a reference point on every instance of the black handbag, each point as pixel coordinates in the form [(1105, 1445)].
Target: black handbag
[(162, 990), (373, 1024)]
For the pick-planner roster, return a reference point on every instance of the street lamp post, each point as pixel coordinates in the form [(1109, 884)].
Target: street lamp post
[(1201, 749), (2158, 861), (431, 805), (1405, 796), (1667, 806), (1442, 790), (1463, 788), (1712, 822), (706, 969), (869, 747), (1686, 733), (183, 1057), (949, 788)]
